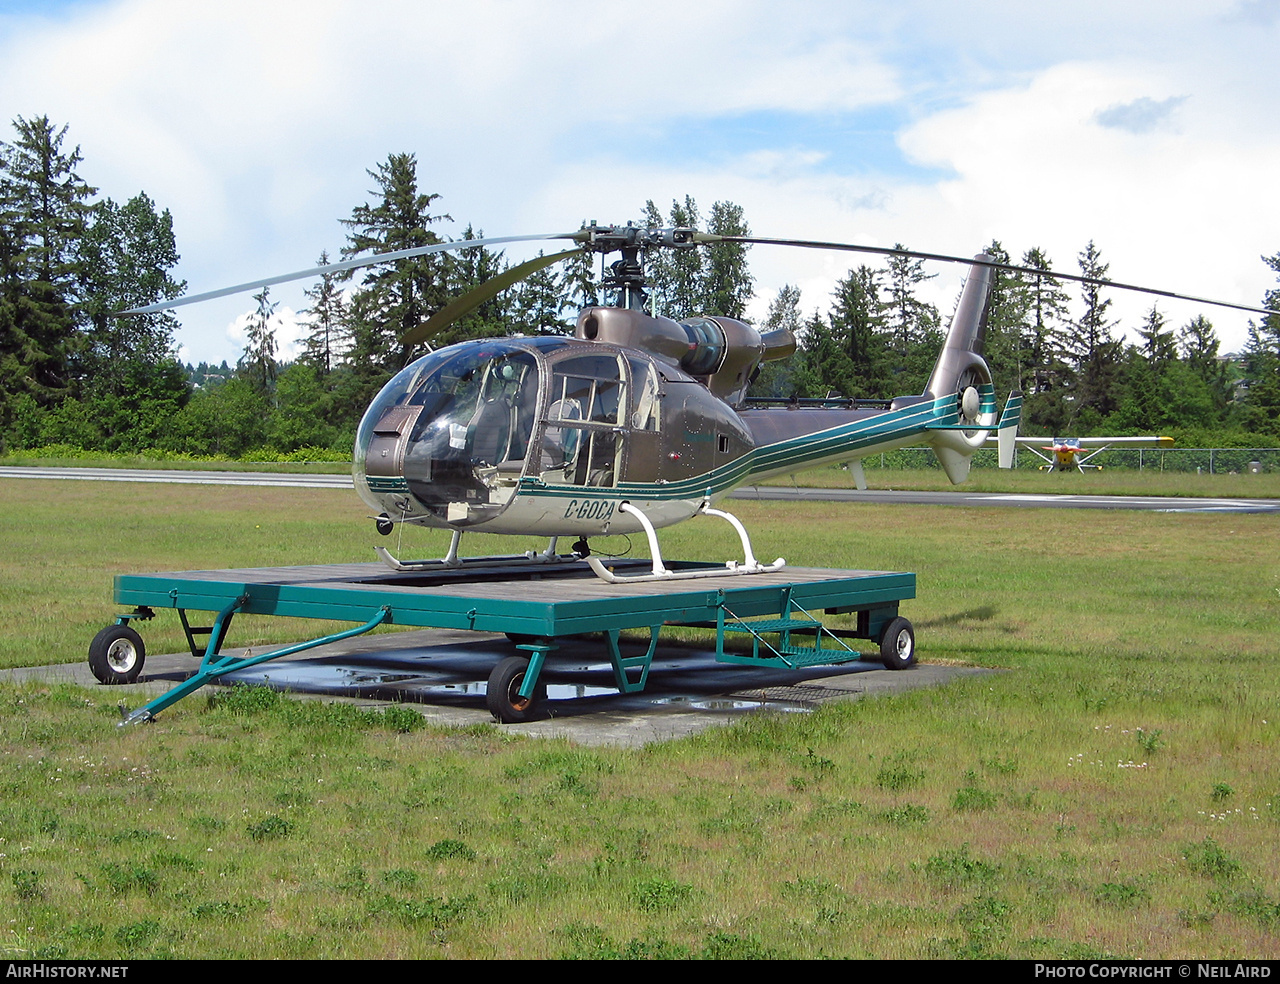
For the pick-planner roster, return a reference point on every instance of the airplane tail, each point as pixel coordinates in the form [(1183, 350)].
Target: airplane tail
[(961, 386)]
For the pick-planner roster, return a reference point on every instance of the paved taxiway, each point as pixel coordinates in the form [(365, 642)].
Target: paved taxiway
[(762, 492)]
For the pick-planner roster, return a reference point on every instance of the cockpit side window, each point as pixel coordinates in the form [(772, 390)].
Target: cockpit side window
[(644, 385)]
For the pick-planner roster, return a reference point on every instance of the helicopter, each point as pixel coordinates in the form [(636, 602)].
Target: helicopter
[(637, 421)]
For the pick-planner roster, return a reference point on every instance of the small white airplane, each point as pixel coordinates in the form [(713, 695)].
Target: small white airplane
[(1069, 452)]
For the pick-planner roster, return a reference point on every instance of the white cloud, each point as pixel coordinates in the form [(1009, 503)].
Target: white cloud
[(290, 332), (255, 124)]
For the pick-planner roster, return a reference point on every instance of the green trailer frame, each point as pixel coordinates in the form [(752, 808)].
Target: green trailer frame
[(534, 605)]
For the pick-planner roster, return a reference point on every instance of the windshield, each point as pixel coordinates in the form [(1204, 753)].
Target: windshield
[(453, 428)]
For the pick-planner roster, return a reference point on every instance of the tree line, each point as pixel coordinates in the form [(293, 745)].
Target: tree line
[(1077, 374), (71, 373)]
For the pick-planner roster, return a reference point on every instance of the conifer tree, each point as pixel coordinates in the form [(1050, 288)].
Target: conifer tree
[(1044, 341), (779, 378), (1004, 348), (675, 276), (578, 283), (1262, 364), (727, 285), (907, 318), (258, 364), (1198, 347), (393, 298), (1095, 351), (468, 269), (325, 316), (538, 304), (857, 323), (44, 212)]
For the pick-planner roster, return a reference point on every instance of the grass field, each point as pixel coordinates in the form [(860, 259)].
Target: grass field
[(1115, 793)]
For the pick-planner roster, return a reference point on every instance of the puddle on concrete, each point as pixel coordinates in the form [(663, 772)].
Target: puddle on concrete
[(731, 704), (569, 691)]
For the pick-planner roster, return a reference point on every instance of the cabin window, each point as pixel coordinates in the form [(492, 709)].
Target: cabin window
[(580, 436)]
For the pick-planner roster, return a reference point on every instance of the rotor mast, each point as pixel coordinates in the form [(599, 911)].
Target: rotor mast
[(626, 276)]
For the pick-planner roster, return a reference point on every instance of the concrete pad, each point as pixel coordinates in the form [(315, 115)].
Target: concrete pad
[(442, 674)]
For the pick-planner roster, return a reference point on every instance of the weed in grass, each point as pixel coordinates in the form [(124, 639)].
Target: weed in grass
[(26, 886), (583, 941), (433, 913), (219, 910), (206, 824), (959, 867), (84, 933), (1220, 792), (1120, 895), (450, 850), (731, 946), (401, 878), (907, 815), (819, 766), (661, 895), (135, 937), (1209, 859), (1194, 919), (244, 699), (825, 811), (271, 827), (125, 878), (403, 719), (132, 836), (973, 798), (1150, 741), (985, 923), (170, 859), (898, 778), (1251, 905), (354, 880)]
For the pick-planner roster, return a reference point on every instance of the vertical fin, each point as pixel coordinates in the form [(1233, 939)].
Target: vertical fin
[(1007, 433)]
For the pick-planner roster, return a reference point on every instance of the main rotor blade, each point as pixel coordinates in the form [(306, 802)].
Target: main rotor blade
[(473, 298), (360, 261), (711, 238)]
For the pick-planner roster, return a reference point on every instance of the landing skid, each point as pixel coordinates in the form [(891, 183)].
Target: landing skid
[(663, 573), (452, 562), (660, 572)]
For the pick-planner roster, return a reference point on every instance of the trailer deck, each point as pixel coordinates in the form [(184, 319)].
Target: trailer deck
[(536, 605)]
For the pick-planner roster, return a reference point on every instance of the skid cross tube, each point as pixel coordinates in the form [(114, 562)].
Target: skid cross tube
[(214, 665)]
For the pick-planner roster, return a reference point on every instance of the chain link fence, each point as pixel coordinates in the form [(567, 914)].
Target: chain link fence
[(1212, 461)]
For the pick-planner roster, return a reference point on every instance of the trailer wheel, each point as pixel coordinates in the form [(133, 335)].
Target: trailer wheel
[(898, 645), (503, 692), (116, 655)]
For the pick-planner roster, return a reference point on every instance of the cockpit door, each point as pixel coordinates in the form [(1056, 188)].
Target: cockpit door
[(581, 440)]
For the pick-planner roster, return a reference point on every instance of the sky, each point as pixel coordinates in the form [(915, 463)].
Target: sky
[(1152, 129)]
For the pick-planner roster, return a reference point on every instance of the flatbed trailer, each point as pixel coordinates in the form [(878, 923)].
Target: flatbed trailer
[(536, 606)]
